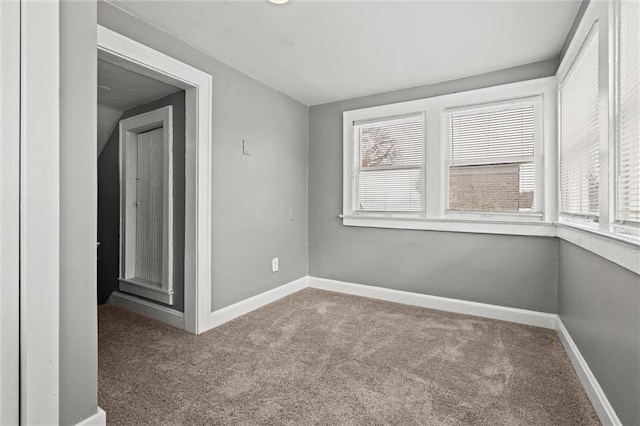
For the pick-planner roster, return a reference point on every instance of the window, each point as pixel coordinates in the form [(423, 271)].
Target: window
[(390, 156), (599, 144), (451, 162), (627, 179), (579, 134), (599, 129), (492, 157), (556, 156)]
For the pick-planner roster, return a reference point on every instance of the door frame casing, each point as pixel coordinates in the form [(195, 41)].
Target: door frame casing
[(198, 85), (9, 212), (39, 212), (128, 152)]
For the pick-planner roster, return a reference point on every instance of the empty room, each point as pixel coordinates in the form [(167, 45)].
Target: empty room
[(320, 212)]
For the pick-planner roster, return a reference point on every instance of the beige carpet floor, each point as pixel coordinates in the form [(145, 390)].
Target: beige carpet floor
[(318, 357)]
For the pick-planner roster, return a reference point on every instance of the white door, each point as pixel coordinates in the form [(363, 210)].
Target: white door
[(146, 213), (149, 207), (9, 210)]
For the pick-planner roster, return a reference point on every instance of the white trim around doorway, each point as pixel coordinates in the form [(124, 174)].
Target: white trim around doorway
[(124, 52), (39, 212), (9, 212)]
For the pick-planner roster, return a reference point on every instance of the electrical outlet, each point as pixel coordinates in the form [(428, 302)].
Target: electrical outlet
[(274, 264)]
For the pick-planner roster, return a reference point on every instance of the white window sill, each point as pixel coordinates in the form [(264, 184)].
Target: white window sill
[(507, 227), (617, 248)]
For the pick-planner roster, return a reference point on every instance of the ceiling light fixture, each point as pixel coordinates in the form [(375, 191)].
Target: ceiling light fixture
[(279, 1)]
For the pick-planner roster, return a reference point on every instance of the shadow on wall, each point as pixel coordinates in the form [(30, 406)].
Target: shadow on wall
[(109, 202)]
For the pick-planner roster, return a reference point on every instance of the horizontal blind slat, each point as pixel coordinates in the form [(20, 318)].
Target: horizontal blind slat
[(390, 190)]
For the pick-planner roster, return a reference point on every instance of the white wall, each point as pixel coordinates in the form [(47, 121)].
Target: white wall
[(78, 212)]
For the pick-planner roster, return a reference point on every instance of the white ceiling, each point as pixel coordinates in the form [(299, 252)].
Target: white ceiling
[(321, 51)]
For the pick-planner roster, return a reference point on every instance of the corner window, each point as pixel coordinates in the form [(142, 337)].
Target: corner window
[(390, 161), (492, 157), (579, 134), (599, 128), (464, 162)]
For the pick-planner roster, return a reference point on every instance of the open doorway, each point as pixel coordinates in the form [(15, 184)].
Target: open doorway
[(141, 177), (140, 81)]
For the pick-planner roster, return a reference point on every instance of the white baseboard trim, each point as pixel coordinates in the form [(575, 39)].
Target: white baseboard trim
[(230, 312), (148, 309), (521, 316), (98, 419), (591, 386)]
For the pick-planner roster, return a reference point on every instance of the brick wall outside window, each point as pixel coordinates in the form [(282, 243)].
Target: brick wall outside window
[(487, 188)]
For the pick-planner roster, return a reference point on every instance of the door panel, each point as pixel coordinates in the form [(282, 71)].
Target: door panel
[(146, 215), (149, 214)]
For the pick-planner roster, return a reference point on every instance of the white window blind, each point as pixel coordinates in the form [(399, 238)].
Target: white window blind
[(492, 158), (579, 134), (390, 156), (628, 114)]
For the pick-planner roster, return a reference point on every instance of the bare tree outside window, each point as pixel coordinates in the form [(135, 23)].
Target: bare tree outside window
[(379, 148), (391, 159)]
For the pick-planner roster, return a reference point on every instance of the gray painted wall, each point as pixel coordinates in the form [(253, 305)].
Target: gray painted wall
[(78, 187), (598, 302), (252, 196), (511, 271), (109, 202)]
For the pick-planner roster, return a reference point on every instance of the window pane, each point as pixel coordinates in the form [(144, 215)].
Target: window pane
[(505, 187), (484, 137), (390, 155), (579, 134), (390, 190), (628, 114), (492, 165), (397, 142)]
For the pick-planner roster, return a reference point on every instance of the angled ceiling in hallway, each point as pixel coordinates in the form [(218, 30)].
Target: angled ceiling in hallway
[(120, 90)]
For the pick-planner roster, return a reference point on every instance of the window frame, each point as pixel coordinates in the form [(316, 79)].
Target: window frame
[(129, 129), (538, 160), (583, 219), (603, 237), (435, 170), (596, 16), (604, 16), (617, 226), (357, 166)]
